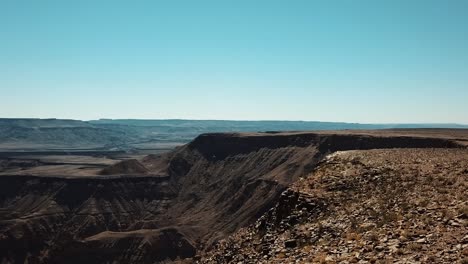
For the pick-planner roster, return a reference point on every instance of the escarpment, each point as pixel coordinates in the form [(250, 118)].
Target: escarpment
[(171, 205)]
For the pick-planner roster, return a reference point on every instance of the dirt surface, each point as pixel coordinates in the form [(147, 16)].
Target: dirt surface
[(56, 165), (173, 205)]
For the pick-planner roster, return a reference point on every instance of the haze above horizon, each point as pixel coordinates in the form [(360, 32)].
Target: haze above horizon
[(345, 61)]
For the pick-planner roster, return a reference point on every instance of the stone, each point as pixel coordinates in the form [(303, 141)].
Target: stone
[(465, 239), (291, 243), (379, 248), (421, 240)]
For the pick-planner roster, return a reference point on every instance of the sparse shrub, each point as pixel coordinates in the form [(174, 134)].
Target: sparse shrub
[(354, 223), (372, 213), (405, 206), (281, 255), (424, 202), (449, 181), (385, 261), (463, 210), (321, 258), (461, 195), (412, 233), (355, 161), (414, 246), (373, 237), (427, 220), (448, 214), (443, 190), (444, 198), (351, 236), (388, 218), (429, 178)]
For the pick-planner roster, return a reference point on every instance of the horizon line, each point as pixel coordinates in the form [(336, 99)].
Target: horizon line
[(236, 120)]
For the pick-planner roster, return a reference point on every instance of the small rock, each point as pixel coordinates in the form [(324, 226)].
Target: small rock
[(290, 243), (379, 248), (421, 240), (465, 252), (465, 239), (368, 226), (393, 249), (453, 223)]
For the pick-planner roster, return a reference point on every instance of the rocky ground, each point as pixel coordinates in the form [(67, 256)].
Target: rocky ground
[(371, 206)]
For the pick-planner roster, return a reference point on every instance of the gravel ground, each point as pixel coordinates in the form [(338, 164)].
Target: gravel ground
[(374, 206)]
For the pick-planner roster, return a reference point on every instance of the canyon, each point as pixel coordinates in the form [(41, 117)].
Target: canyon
[(182, 205)]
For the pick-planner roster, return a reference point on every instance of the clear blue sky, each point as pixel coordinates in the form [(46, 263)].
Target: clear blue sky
[(350, 60)]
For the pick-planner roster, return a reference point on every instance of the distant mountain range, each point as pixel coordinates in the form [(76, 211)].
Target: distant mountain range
[(26, 134)]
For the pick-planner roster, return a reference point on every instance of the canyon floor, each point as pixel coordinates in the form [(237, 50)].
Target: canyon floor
[(350, 196)]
